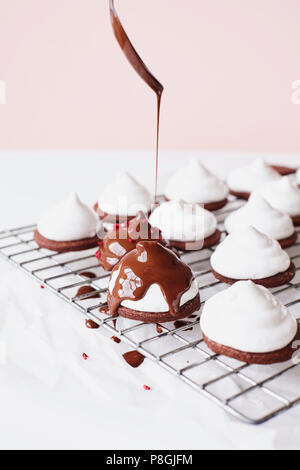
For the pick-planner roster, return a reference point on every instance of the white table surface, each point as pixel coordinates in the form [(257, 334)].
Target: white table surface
[(50, 397)]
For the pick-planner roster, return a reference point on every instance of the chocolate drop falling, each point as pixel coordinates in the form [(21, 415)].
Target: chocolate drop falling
[(142, 70)]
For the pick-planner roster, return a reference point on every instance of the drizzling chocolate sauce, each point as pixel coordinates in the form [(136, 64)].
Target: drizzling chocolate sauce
[(88, 274), (91, 324), (150, 263), (134, 358), (86, 290), (123, 238), (140, 67)]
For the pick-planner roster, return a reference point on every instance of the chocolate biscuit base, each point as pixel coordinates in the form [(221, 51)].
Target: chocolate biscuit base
[(240, 194), (186, 309), (283, 170), (63, 247), (197, 245), (289, 241), (113, 219), (271, 281), (210, 206), (296, 220), (214, 206), (281, 355)]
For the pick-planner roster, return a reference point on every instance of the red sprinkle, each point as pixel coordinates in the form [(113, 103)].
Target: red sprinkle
[(130, 240), (85, 356), (100, 243), (42, 287), (146, 387), (98, 254)]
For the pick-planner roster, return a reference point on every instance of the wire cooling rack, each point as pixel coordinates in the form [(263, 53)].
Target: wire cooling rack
[(252, 393)]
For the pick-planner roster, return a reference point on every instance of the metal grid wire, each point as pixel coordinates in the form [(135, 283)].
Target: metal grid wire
[(250, 392)]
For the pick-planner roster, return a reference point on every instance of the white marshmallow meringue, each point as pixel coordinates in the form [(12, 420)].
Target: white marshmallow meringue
[(181, 221), (70, 220), (125, 197), (195, 184), (261, 215), (250, 177), (153, 300), (247, 317), (249, 254), (283, 194)]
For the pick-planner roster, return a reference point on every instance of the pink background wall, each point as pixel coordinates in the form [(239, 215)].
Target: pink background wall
[(234, 60)]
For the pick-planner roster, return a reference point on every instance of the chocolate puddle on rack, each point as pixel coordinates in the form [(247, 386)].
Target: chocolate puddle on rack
[(116, 339), (104, 310), (91, 324), (134, 358), (88, 290), (180, 323), (88, 274)]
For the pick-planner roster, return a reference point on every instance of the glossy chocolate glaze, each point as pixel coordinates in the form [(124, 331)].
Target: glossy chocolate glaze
[(123, 238), (140, 67), (151, 263)]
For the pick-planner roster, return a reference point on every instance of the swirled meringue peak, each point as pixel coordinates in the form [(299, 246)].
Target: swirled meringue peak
[(125, 197), (247, 317), (195, 184), (181, 221), (70, 220), (249, 254), (261, 215), (250, 177), (283, 194)]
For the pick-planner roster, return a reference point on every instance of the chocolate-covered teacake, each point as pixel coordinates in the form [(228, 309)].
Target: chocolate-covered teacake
[(152, 284), (123, 238)]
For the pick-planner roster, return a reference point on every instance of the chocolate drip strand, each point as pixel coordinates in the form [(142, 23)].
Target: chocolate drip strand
[(140, 67)]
